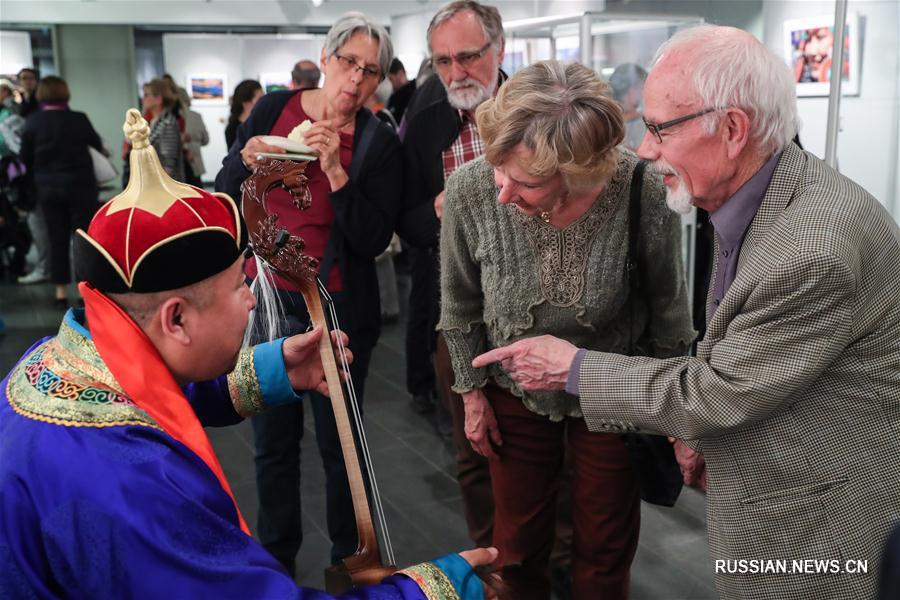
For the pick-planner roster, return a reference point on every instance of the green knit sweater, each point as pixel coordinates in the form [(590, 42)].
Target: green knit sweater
[(507, 276)]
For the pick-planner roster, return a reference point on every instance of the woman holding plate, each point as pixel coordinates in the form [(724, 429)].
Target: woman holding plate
[(355, 184)]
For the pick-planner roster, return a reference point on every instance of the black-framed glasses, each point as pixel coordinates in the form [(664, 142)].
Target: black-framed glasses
[(349, 62), (463, 59), (655, 128)]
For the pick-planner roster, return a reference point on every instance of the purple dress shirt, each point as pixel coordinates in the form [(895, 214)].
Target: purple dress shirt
[(731, 222)]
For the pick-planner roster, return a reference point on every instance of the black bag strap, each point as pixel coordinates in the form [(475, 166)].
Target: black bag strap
[(652, 456), (359, 155), (634, 230)]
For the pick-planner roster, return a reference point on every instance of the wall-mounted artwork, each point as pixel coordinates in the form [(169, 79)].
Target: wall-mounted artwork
[(272, 82), (808, 46), (207, 89)]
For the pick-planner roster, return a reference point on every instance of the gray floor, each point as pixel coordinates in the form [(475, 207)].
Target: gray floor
[(414, 469)]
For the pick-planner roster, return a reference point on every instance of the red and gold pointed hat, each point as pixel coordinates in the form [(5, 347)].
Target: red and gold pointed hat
[(158, 234)]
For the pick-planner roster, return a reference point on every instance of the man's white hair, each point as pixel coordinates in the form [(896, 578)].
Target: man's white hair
[(739, 71)]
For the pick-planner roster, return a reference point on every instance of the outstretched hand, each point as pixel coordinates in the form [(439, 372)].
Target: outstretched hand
[(538, 363), (303, 362), (482, 560)]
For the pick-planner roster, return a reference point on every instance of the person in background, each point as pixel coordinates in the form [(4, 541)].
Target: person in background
[(161, 108), (28, 80), (305, 75), (402, 87), (14, 237), (10, 122), (55, 151), (349, 223), (244, 98), (194, 137), (376, 104), (627, 83)]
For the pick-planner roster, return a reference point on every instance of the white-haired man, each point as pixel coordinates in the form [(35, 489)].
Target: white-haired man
[(794, 395)]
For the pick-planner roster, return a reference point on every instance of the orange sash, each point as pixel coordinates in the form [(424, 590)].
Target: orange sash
[(138, 368)]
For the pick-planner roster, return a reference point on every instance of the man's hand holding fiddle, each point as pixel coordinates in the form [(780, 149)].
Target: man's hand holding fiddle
[(304, 363)]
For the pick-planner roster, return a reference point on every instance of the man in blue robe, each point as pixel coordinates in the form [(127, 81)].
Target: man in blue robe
[(109, 487)]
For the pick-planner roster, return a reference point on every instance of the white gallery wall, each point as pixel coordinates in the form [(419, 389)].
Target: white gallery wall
[(236, 57), (868, 148), (15, 52)]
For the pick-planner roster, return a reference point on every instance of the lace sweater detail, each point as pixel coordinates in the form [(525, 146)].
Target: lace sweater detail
[(506, 276)]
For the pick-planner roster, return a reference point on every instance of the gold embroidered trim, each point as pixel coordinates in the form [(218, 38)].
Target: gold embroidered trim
[(433, 582), (243, 385), (51, 385), (562, 253)]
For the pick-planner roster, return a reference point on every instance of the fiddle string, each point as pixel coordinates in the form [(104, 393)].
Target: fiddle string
[(377, 507)]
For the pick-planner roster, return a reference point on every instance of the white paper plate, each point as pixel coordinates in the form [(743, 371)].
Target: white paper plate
[(289, 156), (289, 145)]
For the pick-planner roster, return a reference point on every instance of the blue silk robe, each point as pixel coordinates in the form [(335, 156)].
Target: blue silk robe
[(96, 501)]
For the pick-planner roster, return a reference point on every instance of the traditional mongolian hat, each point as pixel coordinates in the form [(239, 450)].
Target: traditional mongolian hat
[(158, 234)]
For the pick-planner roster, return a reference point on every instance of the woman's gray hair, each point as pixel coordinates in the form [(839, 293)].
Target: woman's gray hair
[(355, 22), (488, 16), (739, 71)]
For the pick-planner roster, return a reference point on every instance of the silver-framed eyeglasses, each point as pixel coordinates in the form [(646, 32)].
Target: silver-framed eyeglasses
[(349, 62), (656, 128), (463, 59)]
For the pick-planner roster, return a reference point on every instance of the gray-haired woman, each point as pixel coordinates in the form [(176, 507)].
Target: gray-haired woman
[(350, 223)]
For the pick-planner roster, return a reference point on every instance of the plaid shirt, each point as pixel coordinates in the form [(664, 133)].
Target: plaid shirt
[(467, 146)]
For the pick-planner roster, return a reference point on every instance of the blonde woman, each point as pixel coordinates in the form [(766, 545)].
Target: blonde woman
[(534, 240), (162, 109)]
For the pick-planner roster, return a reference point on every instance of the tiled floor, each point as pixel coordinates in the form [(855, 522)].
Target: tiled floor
[(414, 469)]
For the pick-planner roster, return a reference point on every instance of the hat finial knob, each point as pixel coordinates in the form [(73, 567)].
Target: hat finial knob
[(136, 129)]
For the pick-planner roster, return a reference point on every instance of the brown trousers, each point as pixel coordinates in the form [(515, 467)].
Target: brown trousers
[(526, 479), (472, 470), (474, 475)]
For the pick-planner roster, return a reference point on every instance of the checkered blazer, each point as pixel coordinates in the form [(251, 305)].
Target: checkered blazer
[(794, 395)]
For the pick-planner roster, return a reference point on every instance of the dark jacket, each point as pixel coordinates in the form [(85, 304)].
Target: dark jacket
[(365, 210), (399, 100), (431, 126), (55, 148)]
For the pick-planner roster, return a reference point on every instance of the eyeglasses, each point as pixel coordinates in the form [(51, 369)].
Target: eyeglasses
[(463, 59), (655, 128), (348, 62)]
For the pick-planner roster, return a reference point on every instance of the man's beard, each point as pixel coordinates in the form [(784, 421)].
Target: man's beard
[(678, 199), (468, 94)]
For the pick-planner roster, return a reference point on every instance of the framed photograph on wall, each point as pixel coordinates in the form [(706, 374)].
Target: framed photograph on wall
[(272, 82), (207, 90), (808, 46)]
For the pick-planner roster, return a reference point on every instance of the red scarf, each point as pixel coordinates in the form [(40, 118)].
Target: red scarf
[(138, 368)]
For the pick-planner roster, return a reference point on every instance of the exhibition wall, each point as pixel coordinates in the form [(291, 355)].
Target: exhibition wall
[(231, 58), (869, 137), (97, 62), (15, 51)]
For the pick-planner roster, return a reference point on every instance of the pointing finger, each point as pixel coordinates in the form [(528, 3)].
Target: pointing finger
[(492, 356)]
